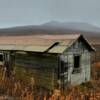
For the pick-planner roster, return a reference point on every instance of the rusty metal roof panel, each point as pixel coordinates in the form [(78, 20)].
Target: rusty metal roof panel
[(40, 43), (37, 44), (6, 47), (59, 37), (35, 39), (25, 48), (58, 49), (36, 48), (25, 42), (11, 47), (66, 42)]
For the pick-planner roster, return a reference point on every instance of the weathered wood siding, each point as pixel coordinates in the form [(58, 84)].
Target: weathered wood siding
[(41, 67), (44, 67), (84, 75)]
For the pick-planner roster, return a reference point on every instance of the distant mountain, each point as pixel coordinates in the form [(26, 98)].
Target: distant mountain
[(73, 26), (53, 27)]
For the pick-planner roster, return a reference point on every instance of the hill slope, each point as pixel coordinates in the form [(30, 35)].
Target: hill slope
[(90, 31)]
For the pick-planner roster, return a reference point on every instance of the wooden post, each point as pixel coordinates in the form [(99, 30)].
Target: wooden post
[(59, 71), (8, 62), (53, 76)]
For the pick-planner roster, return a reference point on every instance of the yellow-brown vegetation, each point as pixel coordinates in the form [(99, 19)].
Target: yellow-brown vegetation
[(18, 90)]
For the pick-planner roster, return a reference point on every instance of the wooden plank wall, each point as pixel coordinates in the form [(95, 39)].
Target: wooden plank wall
[(78, 48), (41, 67)]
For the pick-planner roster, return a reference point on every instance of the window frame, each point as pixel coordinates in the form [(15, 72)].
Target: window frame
[(76, 69)]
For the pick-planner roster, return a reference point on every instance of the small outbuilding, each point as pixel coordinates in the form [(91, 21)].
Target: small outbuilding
[(49, 60)]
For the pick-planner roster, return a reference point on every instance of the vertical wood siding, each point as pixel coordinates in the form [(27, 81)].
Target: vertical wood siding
[(84, 74)]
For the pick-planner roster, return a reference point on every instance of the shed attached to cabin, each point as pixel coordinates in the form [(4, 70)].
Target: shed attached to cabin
[(50, 59)]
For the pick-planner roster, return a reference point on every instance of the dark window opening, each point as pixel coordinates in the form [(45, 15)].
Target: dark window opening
[(1, 57), (76, 61), (76, 64)]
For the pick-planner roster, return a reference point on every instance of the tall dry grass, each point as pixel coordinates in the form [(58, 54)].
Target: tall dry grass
[(17, 89)]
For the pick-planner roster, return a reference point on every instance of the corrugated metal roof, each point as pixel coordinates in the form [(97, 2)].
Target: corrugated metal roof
[(28, 41), (36, 48), (58, 49), (38, 43), (59, 37), (6, 47), (25, 48), (35, 39), (66, 42)]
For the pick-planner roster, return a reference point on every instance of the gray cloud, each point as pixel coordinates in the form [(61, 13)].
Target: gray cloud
[(18, 12)]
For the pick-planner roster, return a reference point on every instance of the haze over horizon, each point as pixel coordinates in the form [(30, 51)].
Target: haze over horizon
[(36, 12)]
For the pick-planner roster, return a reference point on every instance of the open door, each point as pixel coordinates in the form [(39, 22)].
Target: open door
[(63, 73)]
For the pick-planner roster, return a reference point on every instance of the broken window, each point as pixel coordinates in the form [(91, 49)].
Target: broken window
[(76, 68)]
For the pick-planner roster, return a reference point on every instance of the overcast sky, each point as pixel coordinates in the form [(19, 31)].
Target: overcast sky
[(25, 12)]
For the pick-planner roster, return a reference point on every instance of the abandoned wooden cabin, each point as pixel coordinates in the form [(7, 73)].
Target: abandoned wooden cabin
[(49, 59)]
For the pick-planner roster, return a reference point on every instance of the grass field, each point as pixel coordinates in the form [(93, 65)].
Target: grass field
[(16, 89)]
